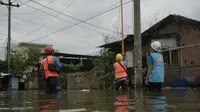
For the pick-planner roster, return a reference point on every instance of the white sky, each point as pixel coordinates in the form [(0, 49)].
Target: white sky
[(85, 40)]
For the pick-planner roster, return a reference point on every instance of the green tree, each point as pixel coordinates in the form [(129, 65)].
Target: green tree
[(3, 66), (22, 60), (104, 64)]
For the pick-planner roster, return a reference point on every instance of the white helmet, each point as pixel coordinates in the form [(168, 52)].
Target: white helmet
[(156, 45)]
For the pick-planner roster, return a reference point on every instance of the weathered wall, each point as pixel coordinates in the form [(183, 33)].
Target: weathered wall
[(190, 56), (83, 80), (32, 83)]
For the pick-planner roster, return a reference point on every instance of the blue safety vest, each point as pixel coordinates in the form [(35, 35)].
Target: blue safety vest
[(157, 74)]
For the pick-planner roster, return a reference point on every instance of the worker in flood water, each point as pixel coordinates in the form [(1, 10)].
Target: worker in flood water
[(51, 67), (120, 73), (155, 73)]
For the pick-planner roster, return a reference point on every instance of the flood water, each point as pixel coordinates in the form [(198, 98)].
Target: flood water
[(100, 101)]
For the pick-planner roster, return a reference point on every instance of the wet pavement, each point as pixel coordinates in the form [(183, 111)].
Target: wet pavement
[(100, 101)]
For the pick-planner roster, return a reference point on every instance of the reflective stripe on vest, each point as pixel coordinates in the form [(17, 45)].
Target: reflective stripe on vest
[(119, 71), (48, 73)]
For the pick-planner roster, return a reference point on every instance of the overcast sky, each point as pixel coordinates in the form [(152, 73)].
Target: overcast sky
[(83, 38)]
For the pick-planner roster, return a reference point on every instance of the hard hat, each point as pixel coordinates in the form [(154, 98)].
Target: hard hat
[(48, 50), (119, 57), (156, 45)]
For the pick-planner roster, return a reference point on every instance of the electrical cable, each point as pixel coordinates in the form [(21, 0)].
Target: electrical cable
[(33, 10), (81, 21), (78, 23), (52, 18)]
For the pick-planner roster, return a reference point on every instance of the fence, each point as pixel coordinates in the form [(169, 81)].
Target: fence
[(182, 62)]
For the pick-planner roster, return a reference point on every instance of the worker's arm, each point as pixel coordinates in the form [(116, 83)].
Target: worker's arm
[(57, 62), (41, 66), (150, 66), (41, 71), (126, 60)]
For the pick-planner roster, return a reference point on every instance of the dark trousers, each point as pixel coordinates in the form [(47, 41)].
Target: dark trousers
[(155, 86), (123, 84), (51, 83)]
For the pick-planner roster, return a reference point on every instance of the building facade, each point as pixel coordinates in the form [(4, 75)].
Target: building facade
[(176, 33)]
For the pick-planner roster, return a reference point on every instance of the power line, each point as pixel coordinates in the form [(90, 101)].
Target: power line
[(3, 34), (63, 31), (108, 10), (78, 22), (25, 20), (4, 15), (73, 17), (62, 19), (33, 10), (14, 1), (52, 18), (24, 3)]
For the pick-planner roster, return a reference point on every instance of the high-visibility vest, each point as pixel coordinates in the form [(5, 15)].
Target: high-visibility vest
[(48, 73), (158, 71), (119, 71)]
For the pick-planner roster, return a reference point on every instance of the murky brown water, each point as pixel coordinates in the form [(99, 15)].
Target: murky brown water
[(100, 101)]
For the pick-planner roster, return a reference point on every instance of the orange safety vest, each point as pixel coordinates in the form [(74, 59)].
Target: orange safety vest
[(48, 73), (119, 71)]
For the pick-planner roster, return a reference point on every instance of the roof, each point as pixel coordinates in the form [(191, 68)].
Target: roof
[(72, 55), (128, 39), (169, 19), (33, 44), (149, 32)]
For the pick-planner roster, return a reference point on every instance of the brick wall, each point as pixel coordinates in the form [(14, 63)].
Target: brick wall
[(190, 56)]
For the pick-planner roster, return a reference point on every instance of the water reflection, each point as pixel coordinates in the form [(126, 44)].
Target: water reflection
[(121, 103), (158, 102), (51, 103), (100, 101)]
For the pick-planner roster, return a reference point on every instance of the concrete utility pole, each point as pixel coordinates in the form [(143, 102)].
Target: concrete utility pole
[(137, 44), (9, 5)]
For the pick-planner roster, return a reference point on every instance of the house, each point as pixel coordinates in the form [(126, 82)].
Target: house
[(173, 31)]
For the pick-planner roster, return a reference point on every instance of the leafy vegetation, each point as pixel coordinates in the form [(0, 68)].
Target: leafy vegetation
[(21, 61), (104, 64)]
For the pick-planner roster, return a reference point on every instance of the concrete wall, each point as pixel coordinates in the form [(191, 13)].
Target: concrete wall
[(83, 80)]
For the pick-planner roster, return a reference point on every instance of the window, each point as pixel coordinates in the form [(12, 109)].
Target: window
[(173, 59)]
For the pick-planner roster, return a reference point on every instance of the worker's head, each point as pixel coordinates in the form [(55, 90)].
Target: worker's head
[(49, 50), (155, 46), (119, 57)]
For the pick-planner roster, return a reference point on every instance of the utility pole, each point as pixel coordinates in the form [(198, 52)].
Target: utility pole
[(9, 5), (137, 44)]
